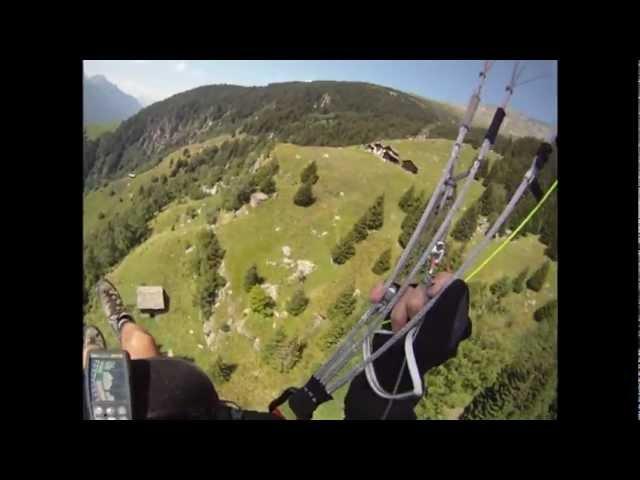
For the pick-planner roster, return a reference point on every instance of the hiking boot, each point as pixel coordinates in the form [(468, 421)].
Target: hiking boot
[(112, 305), (92, 340)]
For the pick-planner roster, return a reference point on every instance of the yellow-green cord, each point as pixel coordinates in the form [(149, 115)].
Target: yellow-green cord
[(515, 232)]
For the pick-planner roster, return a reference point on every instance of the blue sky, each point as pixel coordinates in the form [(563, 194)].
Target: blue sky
[(445, 80)]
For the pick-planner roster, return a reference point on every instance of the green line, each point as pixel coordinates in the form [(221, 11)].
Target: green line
[(510, 237)]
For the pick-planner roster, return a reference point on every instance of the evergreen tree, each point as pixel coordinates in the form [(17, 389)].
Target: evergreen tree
[(304, 196), (281, 353), (375, 215), (272, 350), (536, 281), (548, 233), (344, 305), (467, 224), (268, 186), (343, 251), (221, 371), (419, 202), (298, 303), (383, 263), (552, 250), (260, 302), (294, 350), (337, 330), (252, 278), (211, 215), (548, 310), (453, 256), (483, 171), (410, 222), (518, 283), (359, 231), (208, 261), (310, 174), (492, 200), (501, 287), (407, 199)]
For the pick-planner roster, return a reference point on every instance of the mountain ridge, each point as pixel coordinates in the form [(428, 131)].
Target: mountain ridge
[(105, 102)]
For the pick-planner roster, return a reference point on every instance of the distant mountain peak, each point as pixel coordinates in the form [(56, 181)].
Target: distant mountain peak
[(99, 78), (105, 102)]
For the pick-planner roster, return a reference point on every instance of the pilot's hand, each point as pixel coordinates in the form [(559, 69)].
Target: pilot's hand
[(412, 301)]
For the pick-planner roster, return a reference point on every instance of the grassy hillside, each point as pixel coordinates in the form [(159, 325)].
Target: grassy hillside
[(304, 113), (350, 179), (101, 199), (94, 130)]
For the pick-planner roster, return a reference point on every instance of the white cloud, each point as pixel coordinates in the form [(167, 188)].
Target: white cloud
[(180, 66), (142, 91)]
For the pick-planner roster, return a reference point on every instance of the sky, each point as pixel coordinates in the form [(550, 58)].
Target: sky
[(444, 80)]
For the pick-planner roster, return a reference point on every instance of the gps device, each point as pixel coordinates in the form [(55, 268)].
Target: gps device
[(107, 385)]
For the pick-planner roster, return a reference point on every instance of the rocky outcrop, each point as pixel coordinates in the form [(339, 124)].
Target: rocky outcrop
[(257, 198)]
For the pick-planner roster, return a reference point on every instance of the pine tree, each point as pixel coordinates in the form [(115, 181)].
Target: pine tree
[(359, 231), (466, 226), (304, 196), (536, 281), (548, 310), (548, 234), (272, 351), (375, 215), (260, 302), (343, 251), (552, 250), (344, 305), (252, 278), (310, 174), (453, 257), (419, 202), (483, 171), (209, 258), (410, 222), (492, 199), (268, 186), (298, 303), (518, 283), (211, 215), (334, 334), (383, 263), (408, 226), (501, 287), (222, 371), (281, 353), (293, 354), (407, 199)]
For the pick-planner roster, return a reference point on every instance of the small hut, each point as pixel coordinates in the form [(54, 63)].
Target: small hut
[(409, 166), (389, 157), (151, 299), (390, 149)]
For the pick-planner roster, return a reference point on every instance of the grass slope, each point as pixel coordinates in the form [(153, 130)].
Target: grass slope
[(350, 179), (101, 200), (94, 130)]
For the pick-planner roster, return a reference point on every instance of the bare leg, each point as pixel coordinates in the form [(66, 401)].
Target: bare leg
[(133, 338), (138, 342)]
